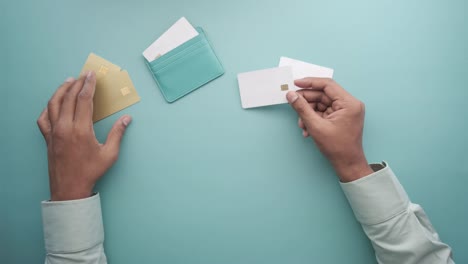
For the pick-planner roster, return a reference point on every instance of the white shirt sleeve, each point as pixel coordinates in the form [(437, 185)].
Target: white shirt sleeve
[(399, 230), (73, 231)]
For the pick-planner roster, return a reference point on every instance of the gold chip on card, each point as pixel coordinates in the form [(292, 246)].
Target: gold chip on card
[(109, 96), (103, 69), (125, 91)]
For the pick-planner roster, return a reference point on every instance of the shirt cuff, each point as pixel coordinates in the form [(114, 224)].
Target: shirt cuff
[(376, 197), (71, 226)]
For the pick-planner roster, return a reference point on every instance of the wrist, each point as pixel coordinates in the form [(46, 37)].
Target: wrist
[(68, 197), (352, 169), (75, 194)]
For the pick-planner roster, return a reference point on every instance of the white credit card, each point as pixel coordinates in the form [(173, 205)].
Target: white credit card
[(302, 69), (179, 33), (265, 87)]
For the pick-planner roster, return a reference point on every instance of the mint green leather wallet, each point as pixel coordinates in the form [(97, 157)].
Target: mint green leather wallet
[(186, 68)]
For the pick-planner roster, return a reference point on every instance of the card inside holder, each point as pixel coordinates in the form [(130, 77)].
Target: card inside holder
[(186, 68)]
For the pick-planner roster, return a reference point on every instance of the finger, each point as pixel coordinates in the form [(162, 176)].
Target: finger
[(313, 106), (44, 124), (115, 135), (328, 112), (53, 107), (300, 123), (312, 96), (327, 85), (321, 107), (306, 113), (67, 111), (316, 96), (84, 105), (313, 82)]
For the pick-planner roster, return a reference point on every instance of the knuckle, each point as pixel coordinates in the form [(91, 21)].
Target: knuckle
[(119, 130), (339, 105), (58, 134), (81, 131), (70, 95), (51, 103), (84, 95), (300, 109), (360, 107), (59, 131)]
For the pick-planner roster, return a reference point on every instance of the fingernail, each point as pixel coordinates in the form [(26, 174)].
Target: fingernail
[(89, 75), (69, 79), (292, 97), (126, 120)]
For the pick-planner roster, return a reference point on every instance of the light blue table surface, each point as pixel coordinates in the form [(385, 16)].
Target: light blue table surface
[(204, 181)]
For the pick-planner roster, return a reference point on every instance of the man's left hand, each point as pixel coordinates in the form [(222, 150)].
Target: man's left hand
[(76, 159)]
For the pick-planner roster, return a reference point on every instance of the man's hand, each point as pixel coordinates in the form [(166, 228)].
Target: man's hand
[(76, 159), (335, 120)]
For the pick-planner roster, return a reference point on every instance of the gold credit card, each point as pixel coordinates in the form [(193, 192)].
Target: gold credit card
[(114, 88)]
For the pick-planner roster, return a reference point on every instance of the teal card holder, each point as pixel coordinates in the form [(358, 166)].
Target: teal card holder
[(186, 68)]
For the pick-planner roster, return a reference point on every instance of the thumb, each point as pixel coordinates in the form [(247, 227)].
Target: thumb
[(302, 107), (115, 135)]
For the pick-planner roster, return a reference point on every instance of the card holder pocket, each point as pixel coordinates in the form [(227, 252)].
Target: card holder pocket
[(186, 68), (181, 56), (179, 52)]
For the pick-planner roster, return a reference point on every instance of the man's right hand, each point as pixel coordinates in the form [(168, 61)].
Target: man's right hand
[(335, 120)]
